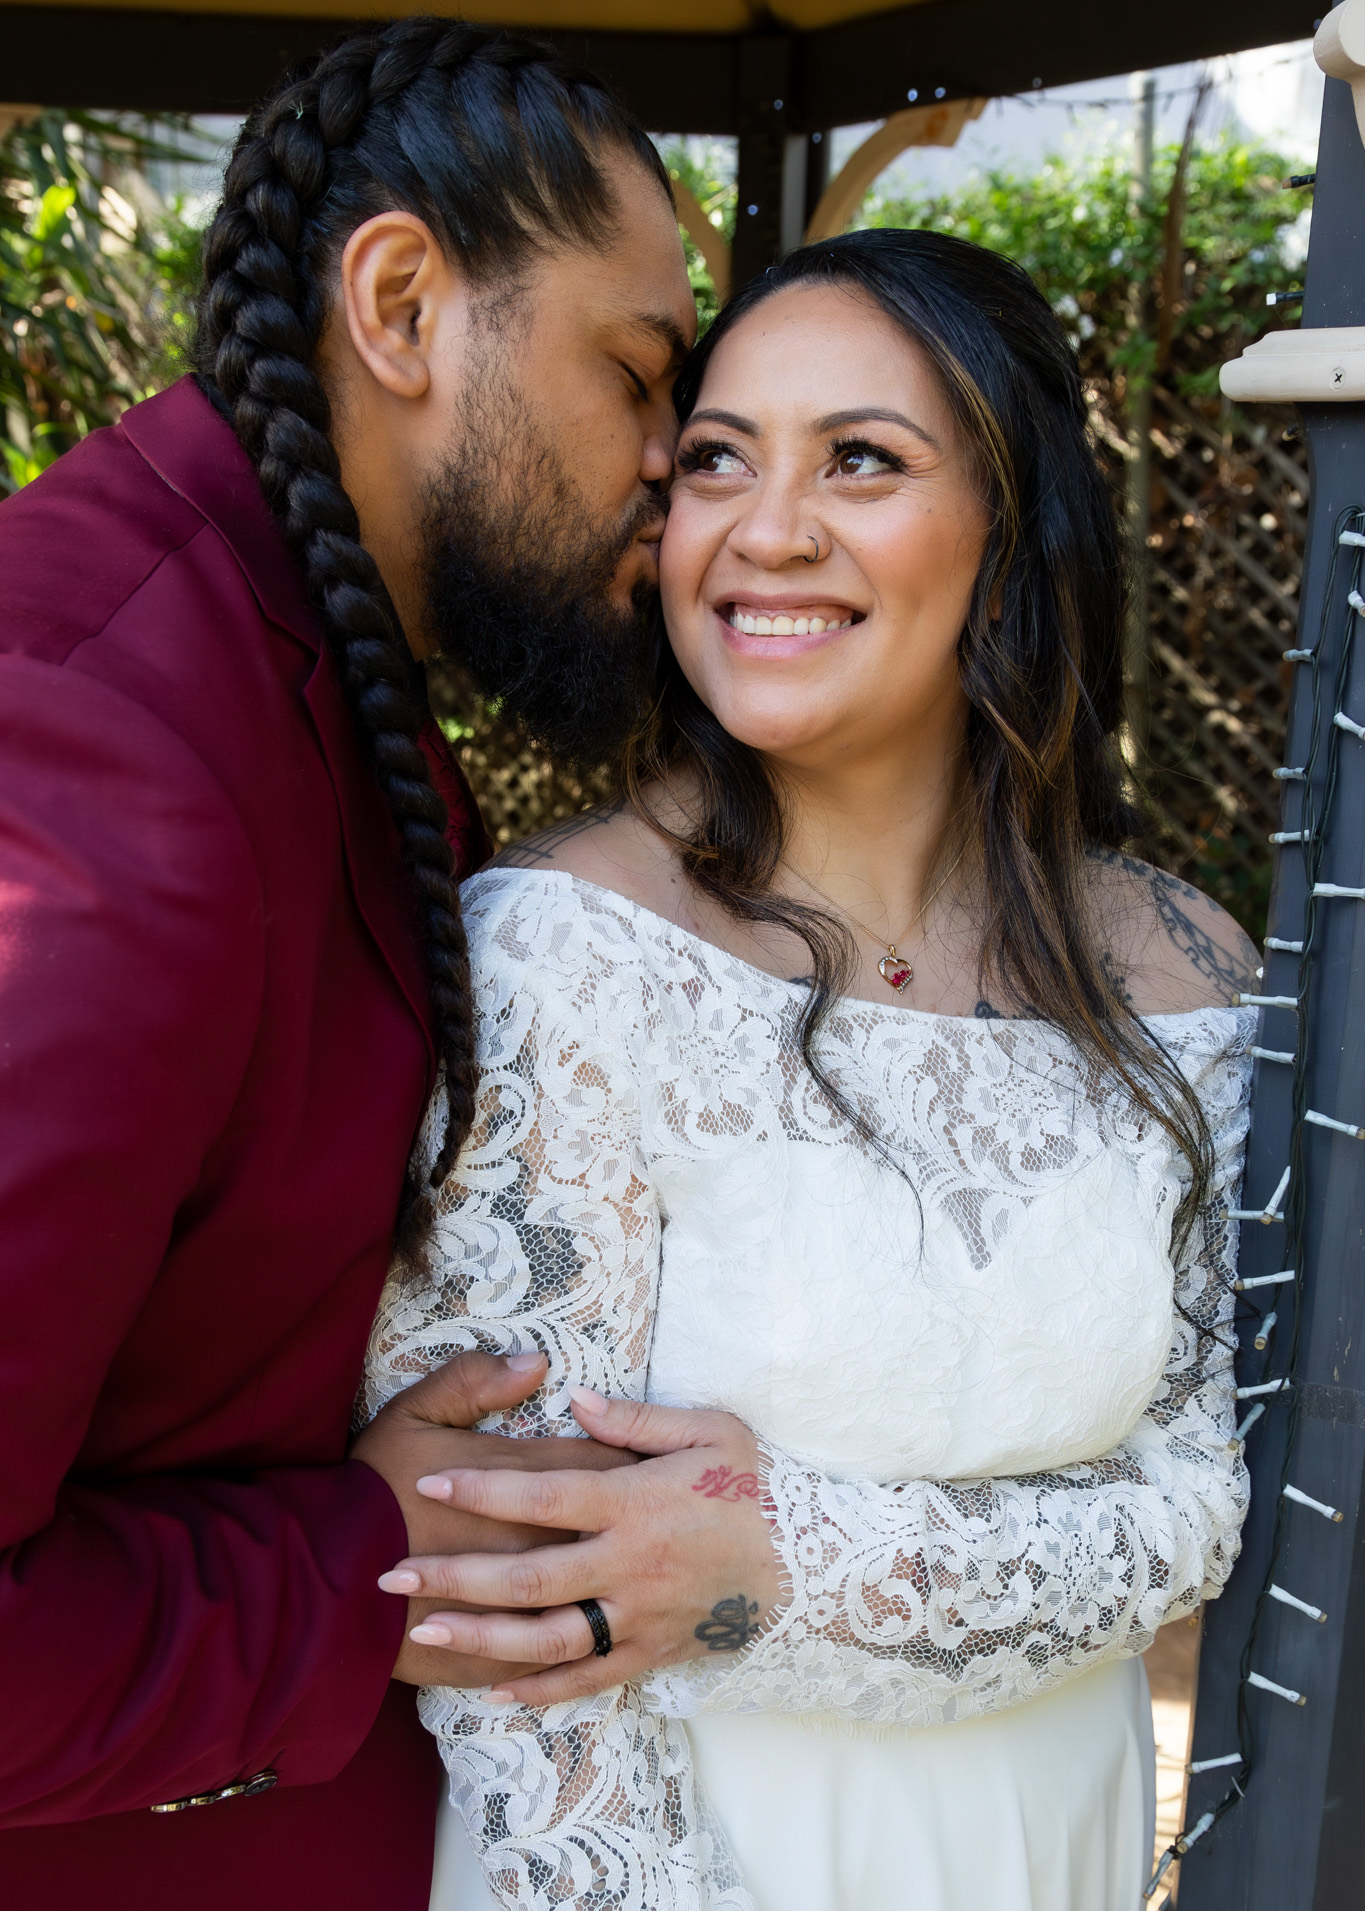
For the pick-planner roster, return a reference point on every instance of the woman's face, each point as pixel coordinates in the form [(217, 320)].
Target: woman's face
[(820, 426)]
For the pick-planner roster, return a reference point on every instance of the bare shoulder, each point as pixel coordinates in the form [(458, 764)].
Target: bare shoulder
[(611, 846), (1172, 948)]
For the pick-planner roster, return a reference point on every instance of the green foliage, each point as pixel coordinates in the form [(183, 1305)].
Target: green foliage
[(1075, 227), (707, 169), (88, 282)]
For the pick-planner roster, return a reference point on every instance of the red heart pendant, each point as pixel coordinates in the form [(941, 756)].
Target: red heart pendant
[(897, 972)]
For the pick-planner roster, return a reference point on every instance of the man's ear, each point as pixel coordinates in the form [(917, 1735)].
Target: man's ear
[(397, 289)]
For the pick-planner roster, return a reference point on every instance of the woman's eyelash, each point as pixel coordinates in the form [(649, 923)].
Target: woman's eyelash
[(842, 446), (692, 453)]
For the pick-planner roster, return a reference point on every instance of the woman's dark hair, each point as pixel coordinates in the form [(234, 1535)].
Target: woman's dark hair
[(1040, 659), (497, 144)]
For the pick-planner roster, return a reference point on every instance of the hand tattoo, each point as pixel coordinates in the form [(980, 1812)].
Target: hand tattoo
[(730, 1626), (723, 1483)]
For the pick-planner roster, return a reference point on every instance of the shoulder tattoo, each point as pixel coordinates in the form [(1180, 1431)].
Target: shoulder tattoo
[(1183, 913), (535, 851)]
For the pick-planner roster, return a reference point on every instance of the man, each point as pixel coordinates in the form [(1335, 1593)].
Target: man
[(445, 299)]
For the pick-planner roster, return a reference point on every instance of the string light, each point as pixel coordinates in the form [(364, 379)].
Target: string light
[(1311, 834), (1299, 1605), (1265, 1280), (1316, 1506), (1328, 1121), (1281, 1691)]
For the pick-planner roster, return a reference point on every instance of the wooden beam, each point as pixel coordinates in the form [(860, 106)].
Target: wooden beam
[(918, 126), (713, 246), (146, 60), (865, 69)]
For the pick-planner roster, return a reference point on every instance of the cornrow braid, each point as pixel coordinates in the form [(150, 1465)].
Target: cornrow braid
[(495, 142)]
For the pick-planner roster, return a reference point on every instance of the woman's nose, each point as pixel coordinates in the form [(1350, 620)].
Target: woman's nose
[(775, 530)]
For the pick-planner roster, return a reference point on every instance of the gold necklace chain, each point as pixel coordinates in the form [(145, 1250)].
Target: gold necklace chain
[(894, 969)]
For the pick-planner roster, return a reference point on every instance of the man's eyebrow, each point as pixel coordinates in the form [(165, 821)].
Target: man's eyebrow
[(875, 414), (665, 329), (730, 418)]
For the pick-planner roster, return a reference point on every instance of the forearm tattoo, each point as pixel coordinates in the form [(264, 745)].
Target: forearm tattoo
[(732, 1625)]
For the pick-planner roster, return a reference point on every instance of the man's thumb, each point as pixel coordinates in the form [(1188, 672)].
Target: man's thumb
[(473, 1384)]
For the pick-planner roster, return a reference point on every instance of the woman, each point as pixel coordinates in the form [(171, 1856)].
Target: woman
[(921, 1256)]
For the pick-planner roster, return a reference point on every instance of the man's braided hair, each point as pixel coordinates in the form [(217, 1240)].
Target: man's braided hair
[(497, 144)]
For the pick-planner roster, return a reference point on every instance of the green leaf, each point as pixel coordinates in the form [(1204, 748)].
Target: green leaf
[(53, 207)]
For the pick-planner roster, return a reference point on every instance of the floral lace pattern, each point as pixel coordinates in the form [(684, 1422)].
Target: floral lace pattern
[(1031, 1471)]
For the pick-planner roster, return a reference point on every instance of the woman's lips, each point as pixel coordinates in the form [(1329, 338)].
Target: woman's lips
[(784, 631)]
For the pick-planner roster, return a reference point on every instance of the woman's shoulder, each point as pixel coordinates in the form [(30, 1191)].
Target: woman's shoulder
[(568, 911), (1171, 948), (609, 846)]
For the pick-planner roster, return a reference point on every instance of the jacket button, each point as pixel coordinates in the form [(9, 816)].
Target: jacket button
[(239, 1788)]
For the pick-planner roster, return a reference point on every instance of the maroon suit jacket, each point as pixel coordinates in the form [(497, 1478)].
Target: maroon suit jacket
[(214, 1050)]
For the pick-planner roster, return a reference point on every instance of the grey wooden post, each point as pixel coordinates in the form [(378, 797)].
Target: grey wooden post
[(1293, 1843)]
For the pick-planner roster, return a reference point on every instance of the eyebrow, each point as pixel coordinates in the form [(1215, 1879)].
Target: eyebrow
[(666, 330), (875, 414), (832, 421)]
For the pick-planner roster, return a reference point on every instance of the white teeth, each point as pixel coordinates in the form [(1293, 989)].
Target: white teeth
[(783, 625)]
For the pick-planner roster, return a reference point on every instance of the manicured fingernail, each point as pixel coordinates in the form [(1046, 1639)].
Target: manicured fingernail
[(400, 1580), (499, 1697), (434, 1486), (429, 1635), (589, 1401), (524, 1363)]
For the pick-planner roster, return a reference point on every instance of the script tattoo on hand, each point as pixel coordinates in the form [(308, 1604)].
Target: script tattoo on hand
[(723, 1483), (731, 1625)]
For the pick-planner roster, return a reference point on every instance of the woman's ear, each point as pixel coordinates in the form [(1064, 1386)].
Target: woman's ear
[(397, 286)]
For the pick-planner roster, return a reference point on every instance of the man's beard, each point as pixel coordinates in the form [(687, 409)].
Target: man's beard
[(519, 576)]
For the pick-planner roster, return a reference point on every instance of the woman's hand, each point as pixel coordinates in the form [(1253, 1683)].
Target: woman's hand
[(676, 1551)]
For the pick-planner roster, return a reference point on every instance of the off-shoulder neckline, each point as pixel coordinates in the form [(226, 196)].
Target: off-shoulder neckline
[(896, 1011)]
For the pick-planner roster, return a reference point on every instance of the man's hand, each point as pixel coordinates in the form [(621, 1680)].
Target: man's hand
[(425, 1430), (677, 1552)]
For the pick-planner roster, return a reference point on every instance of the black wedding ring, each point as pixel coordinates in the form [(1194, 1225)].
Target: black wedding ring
[(597, 1621)]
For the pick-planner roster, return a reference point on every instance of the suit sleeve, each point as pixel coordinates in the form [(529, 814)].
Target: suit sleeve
[(159, 1635)]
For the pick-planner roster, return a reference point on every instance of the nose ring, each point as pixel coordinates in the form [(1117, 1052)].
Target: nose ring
[(816, 542)]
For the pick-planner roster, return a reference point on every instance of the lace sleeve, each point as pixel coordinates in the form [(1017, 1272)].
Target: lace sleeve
[(921, 1602), (547, 1238)]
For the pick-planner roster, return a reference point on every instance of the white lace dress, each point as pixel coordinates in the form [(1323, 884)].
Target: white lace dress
[(998, 1457)]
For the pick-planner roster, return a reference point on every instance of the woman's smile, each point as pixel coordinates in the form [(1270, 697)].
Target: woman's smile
[(774, 627)]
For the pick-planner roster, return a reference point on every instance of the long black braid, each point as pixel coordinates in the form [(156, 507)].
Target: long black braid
[(496, 143)]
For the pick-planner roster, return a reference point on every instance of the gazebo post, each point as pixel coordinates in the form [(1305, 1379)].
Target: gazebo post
[(1292, 1842), (772, 152)]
